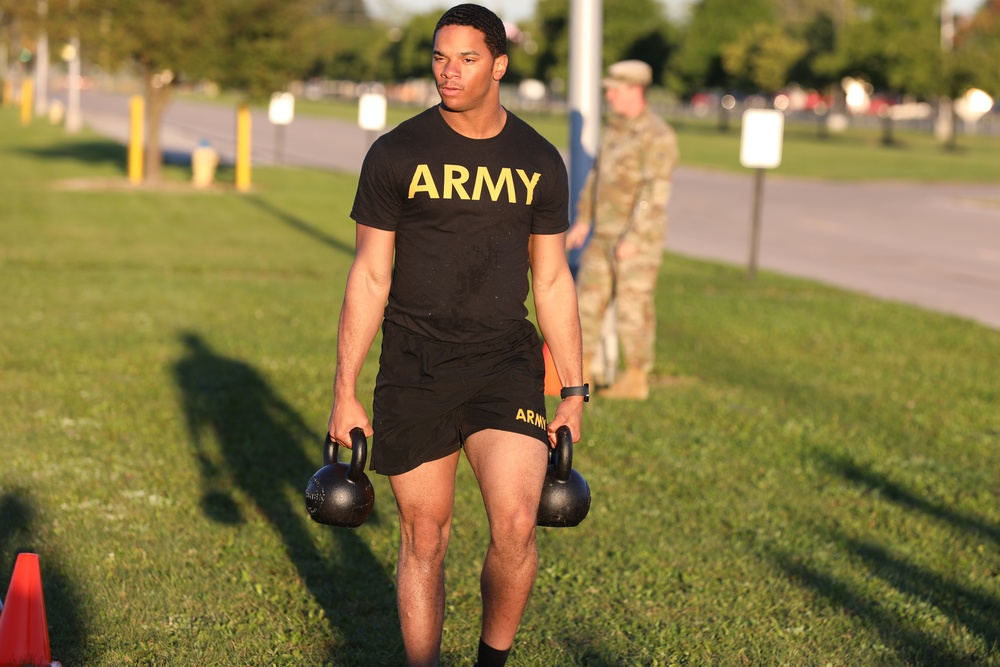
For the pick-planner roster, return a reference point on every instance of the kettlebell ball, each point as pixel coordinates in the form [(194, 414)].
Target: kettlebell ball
[(565, 495), (340, 494)]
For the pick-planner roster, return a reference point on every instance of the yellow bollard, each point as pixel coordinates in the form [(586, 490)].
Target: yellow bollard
[(243, 148), (8, 93), (137, 108), (27, 93)]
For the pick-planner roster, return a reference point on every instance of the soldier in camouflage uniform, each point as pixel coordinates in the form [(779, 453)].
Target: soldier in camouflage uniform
[(624, 201)]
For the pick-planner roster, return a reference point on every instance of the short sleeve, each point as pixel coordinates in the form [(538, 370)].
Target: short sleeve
[(551, 211), (377, 200)]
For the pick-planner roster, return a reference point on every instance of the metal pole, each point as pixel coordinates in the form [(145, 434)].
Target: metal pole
[(137, 134), (243, 135), (758, 199), (74, 120), (585, 56), (279, 144), (585, 25)]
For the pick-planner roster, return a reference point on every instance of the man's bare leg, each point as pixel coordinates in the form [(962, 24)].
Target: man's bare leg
[(511, 470), (425, 499)]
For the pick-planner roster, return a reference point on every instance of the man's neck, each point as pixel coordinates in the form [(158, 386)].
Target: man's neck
[(477, 124), (635, 111)]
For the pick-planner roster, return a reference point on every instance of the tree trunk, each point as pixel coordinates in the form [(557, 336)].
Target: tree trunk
[(157, 99)]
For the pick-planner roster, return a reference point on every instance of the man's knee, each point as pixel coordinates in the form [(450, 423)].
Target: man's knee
[(424, 541), (514, 533)]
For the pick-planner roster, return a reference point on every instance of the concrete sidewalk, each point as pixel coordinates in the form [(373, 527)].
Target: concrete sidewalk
[(935, 246)]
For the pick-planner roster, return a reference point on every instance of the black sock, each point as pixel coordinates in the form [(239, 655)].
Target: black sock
[(491, 657)]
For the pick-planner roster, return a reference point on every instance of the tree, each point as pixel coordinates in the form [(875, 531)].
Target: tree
[(977, 51), (713, 24), (412, 53), (246, 45), (761, 57), (632, 29), (896, 45)]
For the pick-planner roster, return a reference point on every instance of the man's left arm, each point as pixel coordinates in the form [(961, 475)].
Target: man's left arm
[(559, 319)]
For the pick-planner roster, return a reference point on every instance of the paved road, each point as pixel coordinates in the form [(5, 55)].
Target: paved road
[(935, 246)]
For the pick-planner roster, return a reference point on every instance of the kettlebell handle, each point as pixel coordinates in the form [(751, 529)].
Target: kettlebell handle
[(563, 453), (359, 453)]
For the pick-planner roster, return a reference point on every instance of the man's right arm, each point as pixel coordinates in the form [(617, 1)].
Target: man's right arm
[(365, 296)]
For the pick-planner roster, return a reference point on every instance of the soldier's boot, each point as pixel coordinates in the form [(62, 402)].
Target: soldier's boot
[(633, 385)]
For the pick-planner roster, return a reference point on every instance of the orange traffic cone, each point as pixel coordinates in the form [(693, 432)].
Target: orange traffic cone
[(553, 386), (24, 632)]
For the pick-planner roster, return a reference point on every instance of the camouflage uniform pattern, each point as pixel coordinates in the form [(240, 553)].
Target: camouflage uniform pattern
[(625, 198)]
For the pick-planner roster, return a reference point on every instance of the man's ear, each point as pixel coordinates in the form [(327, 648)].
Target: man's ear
[(499, 67)]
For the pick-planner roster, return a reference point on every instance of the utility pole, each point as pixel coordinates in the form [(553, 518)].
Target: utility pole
[(585, 50), (585, 40)]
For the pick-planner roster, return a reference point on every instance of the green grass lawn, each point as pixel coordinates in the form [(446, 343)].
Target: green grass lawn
[(814, 480)]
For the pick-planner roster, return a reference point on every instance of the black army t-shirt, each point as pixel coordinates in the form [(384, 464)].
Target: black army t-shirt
[(462, 210)]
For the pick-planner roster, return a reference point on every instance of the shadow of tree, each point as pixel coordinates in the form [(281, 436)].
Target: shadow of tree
[(258, 436), (63, 601), (87, 152)]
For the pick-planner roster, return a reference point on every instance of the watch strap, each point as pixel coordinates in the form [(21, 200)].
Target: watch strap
[(579, 390)]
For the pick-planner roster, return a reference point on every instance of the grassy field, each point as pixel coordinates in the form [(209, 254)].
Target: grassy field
[(813, 482)]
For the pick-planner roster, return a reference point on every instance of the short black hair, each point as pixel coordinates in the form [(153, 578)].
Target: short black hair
[(482, 20)]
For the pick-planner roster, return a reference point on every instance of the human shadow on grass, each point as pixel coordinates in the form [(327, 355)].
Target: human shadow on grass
[(300, 225), (63, 601), (245, 436), (867, 478), (87, 152), (963, 605)]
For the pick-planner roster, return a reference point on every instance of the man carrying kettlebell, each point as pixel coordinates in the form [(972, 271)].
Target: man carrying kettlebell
[(453, 209)]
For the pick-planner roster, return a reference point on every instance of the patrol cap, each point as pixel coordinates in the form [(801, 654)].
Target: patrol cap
[(628, 73)]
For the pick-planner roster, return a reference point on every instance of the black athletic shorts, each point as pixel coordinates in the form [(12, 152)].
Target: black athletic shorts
[(430, 396)]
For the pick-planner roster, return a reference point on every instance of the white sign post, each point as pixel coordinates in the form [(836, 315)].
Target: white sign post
[(280, 112), (371, 113), (760, 149)]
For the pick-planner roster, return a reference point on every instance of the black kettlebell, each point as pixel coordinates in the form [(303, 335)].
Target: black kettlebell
[(340, 494), (565, 494)]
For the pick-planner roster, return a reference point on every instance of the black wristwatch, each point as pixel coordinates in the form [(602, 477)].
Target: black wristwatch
[(579, 390)]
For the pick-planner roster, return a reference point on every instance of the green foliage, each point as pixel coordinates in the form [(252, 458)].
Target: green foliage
[(761, 57), (632, 29), (895, 44), (713, 24), (976, 45), (412, 53), (349, 51), (248, 45), (813, 481)]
